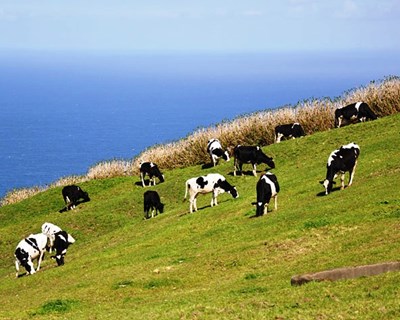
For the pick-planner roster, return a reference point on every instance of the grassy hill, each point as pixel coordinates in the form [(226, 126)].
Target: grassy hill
[(220, 263)]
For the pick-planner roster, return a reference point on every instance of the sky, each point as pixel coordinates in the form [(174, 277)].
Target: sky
[(199, 26)]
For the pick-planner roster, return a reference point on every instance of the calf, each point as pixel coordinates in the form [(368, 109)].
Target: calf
[(61, 244), (250, 154), (29, 249), (152, 170), (215, 150), (152, 202), (72, 194), (291, 130), (340, 161), (267, 188), (213, 182), (359, 111), (50, 230)]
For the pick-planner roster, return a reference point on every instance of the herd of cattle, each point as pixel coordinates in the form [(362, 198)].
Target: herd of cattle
[(340, 161)]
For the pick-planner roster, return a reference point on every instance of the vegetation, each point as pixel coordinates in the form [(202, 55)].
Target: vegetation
[(255, 129), (220, 262)]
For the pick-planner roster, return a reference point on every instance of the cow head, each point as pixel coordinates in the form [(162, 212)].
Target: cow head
[(225, 156), (260, 208), (161, 208), (24, 260), (234, 192), (85, 196), (328, 184)]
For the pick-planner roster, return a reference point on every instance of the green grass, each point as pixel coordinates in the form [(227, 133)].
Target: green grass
[(220, 263)]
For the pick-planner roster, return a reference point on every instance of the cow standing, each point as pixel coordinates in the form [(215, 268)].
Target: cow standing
[(152, 201), (29, 249), (61, 244), (71, 195), (340, 161), (152, 170), (291, 130), (215, 150), (250, 154), (213, 182), (267, 188), (359, 111)]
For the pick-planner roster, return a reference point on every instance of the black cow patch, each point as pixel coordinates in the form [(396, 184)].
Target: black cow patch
[(201, 182)]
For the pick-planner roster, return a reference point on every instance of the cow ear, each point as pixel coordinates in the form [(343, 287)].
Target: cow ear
[(333, 182), (254, 203), (322, 182)]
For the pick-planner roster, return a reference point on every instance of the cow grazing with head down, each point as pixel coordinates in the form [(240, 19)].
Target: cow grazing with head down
[(152, 201), (152, 170), (215, 150), (267, 188), (50, 230), (340, 161), (72, 194), (62, 240), (250, 154), (359, 111), (213, 182), (29, 249), (291, 130)]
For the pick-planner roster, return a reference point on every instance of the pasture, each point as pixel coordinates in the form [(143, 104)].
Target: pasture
[(220, 262)]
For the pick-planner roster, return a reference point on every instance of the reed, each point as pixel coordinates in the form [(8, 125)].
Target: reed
[(252, 129)]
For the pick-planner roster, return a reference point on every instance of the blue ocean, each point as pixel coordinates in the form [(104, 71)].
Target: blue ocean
[(62, 113)]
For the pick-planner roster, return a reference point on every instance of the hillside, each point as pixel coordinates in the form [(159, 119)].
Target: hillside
[(220, 263)]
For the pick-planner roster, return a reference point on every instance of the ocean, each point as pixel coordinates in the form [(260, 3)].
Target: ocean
[(62, 113)]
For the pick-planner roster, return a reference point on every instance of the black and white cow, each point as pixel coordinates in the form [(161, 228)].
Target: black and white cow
[(62, 240), (250, 154), (359, 111), (267, 188), (340, 161), (213, 182), (215, 150), (152, 201), (151, 169), (291, 130), (72, 194), (50, 230), (29, 249)]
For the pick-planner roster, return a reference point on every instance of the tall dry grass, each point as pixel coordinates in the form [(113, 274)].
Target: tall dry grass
[(254, 129)]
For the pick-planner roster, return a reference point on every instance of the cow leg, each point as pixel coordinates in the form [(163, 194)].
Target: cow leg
[(142, 178), (254, 169), (352, 171), (234, 167), (40, 260), (276, 202), (16, 268), (279, 137), (152, 212), (342, 181)]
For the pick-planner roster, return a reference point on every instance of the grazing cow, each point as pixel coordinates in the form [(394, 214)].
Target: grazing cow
[(29, 249), (152, 202), (250, 154), (72, 194), (340, 161), (50, 230), (61, 244), (359, 111), (152, 170), (215, 150), (291, 130), (267, 188), (213, 182)]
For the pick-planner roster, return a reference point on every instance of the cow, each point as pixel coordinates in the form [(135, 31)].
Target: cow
[(359, 111), (72, 194), (291, 130), (50, 230), (250, 154), (151, 201), (267, 188), (62, 240), (215, 150), (213, 182), (340, 161), (152, 170), (29, 249)]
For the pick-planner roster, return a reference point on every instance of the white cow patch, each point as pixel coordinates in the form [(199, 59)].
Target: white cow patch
[(272, 185)]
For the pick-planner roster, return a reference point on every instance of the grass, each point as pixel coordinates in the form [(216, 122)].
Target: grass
[(220, 263)]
